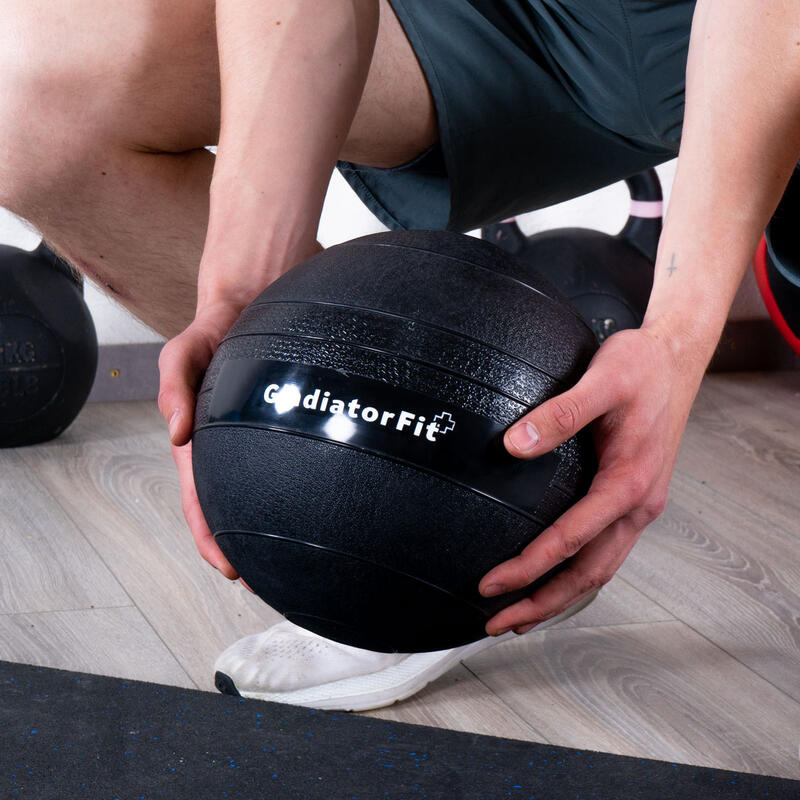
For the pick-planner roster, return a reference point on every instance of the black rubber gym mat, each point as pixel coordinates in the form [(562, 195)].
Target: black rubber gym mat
[(68, 734)]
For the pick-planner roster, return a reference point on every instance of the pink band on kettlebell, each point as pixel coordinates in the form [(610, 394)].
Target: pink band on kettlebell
[(647, 209)]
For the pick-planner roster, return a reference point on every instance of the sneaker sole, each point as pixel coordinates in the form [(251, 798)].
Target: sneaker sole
[(391, 685)]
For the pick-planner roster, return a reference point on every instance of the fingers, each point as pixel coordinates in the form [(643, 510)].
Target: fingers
[(591, 569), (614, 494), (204, 539), (637, 433), (561, 417), (182, 363), (563, 539)]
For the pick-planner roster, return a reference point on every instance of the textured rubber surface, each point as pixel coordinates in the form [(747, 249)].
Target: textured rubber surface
[(371, 545), (316, 495), (73, 735)]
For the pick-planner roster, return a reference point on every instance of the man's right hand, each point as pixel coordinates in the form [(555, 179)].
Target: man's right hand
[(291, 77), (182, 364)]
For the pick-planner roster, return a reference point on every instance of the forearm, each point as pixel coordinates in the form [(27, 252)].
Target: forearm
[(741, 140), (292, 74)]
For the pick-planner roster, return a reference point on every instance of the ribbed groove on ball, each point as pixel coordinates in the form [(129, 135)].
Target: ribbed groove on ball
[(570, 475), (521, 322), (532, 517), (392, 370), (495, 266), (402, 336), (361, 497), (337, 506), (385, 330), (348, 554), (519, 383), (500, 375), (467, 250)]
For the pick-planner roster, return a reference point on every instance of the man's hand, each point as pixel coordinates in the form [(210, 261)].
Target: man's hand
[(292, 74), (639, 397), (740, 144), (182, 364)]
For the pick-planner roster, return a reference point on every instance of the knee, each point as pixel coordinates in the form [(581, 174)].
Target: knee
[(42, 133), (59, 93), (19, 121)]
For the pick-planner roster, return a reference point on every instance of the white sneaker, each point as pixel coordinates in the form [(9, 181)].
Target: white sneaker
[(288, 664)]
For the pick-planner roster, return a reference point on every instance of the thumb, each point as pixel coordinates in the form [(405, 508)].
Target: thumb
[(561, 417), (182, 364)]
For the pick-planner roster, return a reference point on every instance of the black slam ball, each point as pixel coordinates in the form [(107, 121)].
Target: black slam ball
[(348, 450), (48, 346)]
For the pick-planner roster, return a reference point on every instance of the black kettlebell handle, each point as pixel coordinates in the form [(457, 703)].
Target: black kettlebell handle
[(51, 258), (642, 230)]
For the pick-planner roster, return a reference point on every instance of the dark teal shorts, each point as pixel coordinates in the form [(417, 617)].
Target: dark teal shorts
[(537, 101)]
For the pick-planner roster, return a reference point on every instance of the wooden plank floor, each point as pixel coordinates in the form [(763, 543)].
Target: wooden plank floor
[(691, 653)]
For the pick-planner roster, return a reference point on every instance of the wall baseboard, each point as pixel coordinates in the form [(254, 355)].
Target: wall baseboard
[(126, 372), (130, 371)]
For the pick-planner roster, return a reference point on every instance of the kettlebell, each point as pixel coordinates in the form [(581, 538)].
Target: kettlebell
[(347, 446), (777, 264), (607, 278), (48, 346)]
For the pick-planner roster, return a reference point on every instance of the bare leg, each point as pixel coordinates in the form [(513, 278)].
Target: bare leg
[(106, 127)]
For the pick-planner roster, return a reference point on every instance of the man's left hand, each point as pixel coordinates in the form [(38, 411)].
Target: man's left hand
[(639, 397)]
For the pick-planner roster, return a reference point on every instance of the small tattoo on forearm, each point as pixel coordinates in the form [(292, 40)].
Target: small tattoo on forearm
[(672, 266)]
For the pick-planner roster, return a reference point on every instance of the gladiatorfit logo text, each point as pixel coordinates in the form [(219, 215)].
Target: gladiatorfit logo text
[(289, 396)]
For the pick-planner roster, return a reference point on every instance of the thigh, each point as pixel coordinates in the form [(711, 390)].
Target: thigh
[(622, 61), (145, 73), (517, 130), (396, 89)]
